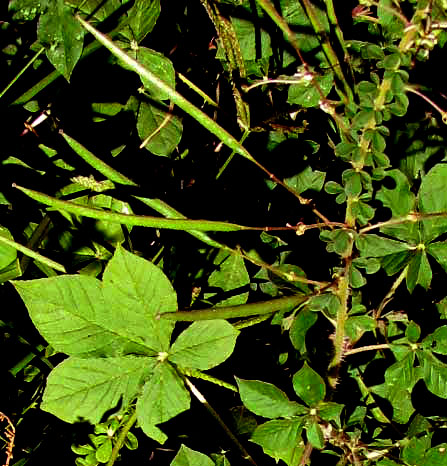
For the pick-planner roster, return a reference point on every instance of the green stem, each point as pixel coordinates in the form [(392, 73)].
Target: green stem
[(412, 217), (242, 310), (209, 378), (36, 55), (122, 438), (197, 90), (219, 420), (33, 254), (390, 293), (328, 50), (230, 158), (369, 399), (38, 235)]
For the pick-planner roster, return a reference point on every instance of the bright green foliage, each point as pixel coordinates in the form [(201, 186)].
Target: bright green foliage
[(332, 237), (309, 386), (266, 400), (118, 350), (281, 439), (188, 457), (62, 36), (230, 275)]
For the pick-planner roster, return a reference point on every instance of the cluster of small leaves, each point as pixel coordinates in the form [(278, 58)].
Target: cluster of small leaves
[(100, 448)]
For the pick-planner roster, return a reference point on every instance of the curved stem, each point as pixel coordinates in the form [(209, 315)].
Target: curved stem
[(122, 438)]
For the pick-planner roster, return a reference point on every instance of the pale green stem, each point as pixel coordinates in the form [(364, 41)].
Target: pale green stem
[(328, 50), (230, 158), (390, 293), (38, 235), (412, 217), (97, 163), (122, 438), (196, 89), (33, 254), (209, 378), (433, 104), (367, 348), (243, 310), (219, 420), (369, 399), (36, 55)]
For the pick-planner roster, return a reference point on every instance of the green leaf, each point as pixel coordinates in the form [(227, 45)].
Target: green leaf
[(305, 93), (439, 251), (160, 127), (432, 199), (24, 10), (230, 275), (414, 451), (70, 312), (161, 67), (309, 386), (98, 9), (264, 399), (413, 332), (301, 324), (352, 181), (371, 245), (281, 439), (315, 434), (400, 399), (436, 341), (81, 316), (296, 17), (62, 36), (142, 18), (104, 452), (401, 201), (8, 254), (330, 411), (307, 179), (436, 456), (247, 34), (139, 291), (188, 457), (131, 442), (372, 52), (84, 389), (164, 396), (356, 326), (434, 373), (204, 344), (393, 27), (419, 271)]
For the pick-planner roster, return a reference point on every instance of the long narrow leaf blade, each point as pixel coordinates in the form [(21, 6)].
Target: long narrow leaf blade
[(175, 97)]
